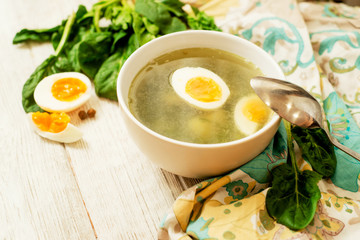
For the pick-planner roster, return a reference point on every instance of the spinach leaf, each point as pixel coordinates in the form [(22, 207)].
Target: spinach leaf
[(53, 64), (293, 196), (118, 36), (81, 14), (159, 14), (87, 49), (122, 17), (80, 22), (56, 37), (44, 35), (316, 149), (83, 45), (176, 25), (39, 35), (200, 21), (106, 79), (46, 68), (173, 6), (150, 27), (92, 51), (142, 36), (64, 64), (155, 12)]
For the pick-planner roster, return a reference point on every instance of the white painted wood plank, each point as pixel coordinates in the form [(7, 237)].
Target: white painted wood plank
[(124, 194), (39, 197)]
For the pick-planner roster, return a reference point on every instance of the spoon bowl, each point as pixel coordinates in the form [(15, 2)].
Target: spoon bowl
[(295, 105)]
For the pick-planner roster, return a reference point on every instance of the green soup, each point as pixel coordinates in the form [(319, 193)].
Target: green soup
[(153, 101)]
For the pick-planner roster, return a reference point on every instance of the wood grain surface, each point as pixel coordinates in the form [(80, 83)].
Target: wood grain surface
[(101, 187)]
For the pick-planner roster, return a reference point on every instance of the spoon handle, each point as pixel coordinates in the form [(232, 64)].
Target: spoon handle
[(345, 149)]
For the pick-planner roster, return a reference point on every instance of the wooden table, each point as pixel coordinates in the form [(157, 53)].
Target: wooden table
[(101, 187)]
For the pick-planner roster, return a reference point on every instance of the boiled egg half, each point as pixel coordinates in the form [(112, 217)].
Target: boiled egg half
[(62, 92), (55, 126), (200, 87), (250, 114)]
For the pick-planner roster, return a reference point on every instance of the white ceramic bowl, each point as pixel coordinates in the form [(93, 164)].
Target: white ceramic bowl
[(190, 159)]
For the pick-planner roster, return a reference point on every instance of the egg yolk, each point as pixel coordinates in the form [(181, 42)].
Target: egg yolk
[(68, 89), (54, 122), (255, 110), (203, 89)]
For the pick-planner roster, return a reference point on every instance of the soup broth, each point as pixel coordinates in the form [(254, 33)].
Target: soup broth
[(153, 101)]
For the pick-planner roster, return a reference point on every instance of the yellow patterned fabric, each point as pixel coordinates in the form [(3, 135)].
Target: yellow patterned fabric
[(317, 45)]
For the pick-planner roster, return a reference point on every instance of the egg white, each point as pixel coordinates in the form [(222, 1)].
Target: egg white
[(180, 78), (68, 135), (44, 98), (245, 125)]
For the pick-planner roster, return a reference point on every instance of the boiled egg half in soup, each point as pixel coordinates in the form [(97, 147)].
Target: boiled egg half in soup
[(55, 126), (200, 87), (62, 92), (250, 114)]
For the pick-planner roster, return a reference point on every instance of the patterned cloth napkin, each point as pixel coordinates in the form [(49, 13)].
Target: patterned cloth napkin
[(318, 47)]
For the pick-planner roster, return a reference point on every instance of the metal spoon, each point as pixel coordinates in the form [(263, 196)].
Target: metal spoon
[(295, 105)]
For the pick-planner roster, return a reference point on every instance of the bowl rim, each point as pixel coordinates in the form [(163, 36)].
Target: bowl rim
[(275, 118)]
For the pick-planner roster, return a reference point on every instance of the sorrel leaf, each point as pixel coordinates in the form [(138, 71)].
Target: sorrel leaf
[(317, 149)]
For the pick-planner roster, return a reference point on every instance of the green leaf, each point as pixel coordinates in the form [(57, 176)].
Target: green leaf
[(46, 68), (118, 36), (72, 57), (44, 35), (122, 17), (65, 35), (64, 64), (81, 14), (92, 51), (106, 79), (54, 64), (293, 197), (138, 28), (142, 36), (83, 46), (316, 149), (150, 27), (82, 22), (159, 14), (201, 21), (55, 38), (39, 35), (176, 25), (174, 6), (155, 12)]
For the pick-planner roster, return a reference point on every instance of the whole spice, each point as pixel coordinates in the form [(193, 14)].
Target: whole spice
[(91, 113), (82, 115)]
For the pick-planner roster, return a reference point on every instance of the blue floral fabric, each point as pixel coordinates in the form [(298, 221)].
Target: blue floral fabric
[(317, 45)]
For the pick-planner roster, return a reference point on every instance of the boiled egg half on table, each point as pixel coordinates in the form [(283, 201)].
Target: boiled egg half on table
[(206, 90), (58, 94)]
